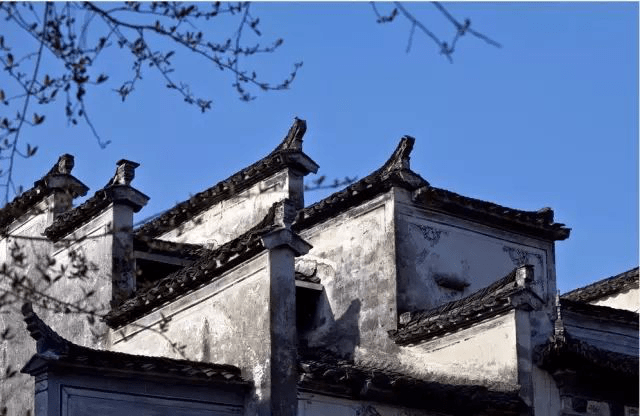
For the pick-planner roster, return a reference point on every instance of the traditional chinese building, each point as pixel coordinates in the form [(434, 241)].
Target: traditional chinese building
[(389, 297)]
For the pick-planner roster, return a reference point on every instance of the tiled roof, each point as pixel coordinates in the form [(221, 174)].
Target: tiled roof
[(480, 305), (568, 352), (115, 189), (200, 272), (156, 246), (537, 223), (77, 216), (52, 349), (42, 188), (600, 312), (396, 172), (321, 371), (287, 154), (605, 287)]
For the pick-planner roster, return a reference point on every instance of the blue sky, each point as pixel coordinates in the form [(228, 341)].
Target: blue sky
[(551, 119)]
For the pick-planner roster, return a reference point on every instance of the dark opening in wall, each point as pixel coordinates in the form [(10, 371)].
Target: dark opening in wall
[(307, 300), (149, 272)]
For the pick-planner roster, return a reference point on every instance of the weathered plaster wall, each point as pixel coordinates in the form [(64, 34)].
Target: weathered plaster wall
[(81, 279), (355, 257), (311, 404), (443, 258), (229, 218), (16, 393), (629, 300), (483, 354), (89, 246), (547, 396), (225, 322)]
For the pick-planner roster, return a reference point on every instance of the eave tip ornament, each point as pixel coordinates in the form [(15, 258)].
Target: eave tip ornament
[(293, 139), (401, 157)]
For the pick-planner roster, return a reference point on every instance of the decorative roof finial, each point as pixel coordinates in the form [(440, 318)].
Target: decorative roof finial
[(401, 156), (293, 140), (65, 164), (125, 172)]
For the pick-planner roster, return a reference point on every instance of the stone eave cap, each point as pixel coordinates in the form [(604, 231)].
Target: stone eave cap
[(396, 171), (501, 296), (287, 154), (58, 178), (52, 349), (118, 189), (207, 268), (605, 287)]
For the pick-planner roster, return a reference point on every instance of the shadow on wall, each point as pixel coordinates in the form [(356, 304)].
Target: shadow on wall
[(323, 330)]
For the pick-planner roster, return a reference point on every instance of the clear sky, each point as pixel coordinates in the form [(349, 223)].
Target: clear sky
[(551, 119)]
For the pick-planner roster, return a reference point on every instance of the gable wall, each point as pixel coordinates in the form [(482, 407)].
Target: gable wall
[(93, 242), (228, 219), (482, 354), (225, 322), (16, 393), (355, 254), (434, 246)]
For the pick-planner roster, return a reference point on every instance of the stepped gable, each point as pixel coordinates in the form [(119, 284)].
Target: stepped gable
[(203, 271), (58, 177), (323, 372), (397, 172), (117, 189), (605, 287), (53, 350), (394, 172), (287, 154), (462, 313)]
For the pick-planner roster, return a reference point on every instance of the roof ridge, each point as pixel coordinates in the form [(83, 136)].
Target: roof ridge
[(604, 287), (451, 316), (283, 155), (494, 287), (394, 171)]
